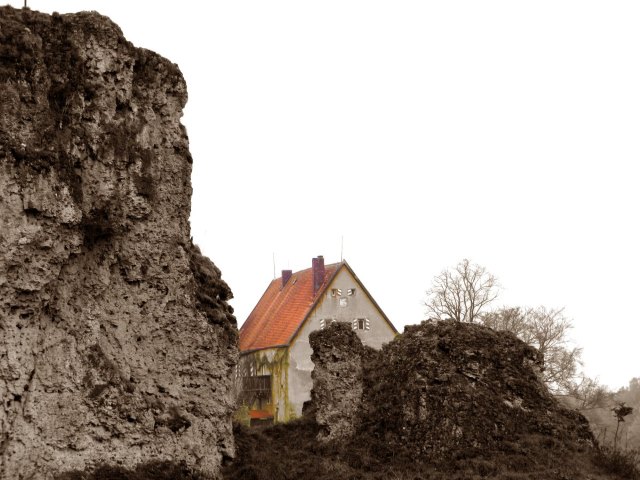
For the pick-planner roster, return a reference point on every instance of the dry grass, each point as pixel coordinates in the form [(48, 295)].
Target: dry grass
[(623, 463), (149, 471), (291, 451)]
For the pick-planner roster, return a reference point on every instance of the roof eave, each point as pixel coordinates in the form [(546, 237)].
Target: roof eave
[(254, 350)]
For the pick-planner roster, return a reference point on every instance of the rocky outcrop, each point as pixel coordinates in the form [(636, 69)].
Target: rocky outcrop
[(446, 389), (442, 401), (336, 396), (438, 393), (116, 341)]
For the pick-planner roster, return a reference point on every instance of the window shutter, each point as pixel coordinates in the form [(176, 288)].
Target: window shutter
[(366, 324), (322, 323), (354, 324)]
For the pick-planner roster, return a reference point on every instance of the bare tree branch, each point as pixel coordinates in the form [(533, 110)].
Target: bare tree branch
[(547, 330), (461, 293)]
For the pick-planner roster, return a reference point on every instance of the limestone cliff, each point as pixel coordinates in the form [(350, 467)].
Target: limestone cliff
[(116, 342)]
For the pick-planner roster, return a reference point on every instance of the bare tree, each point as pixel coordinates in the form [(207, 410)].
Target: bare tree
[(547, 330), (511, 319), (461, 293), (590, 394), (550, 329)]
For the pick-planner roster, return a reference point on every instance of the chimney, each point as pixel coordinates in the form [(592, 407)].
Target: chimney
[(286, 275), (317, 267)]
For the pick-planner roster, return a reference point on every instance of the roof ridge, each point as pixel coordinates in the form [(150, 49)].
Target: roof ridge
[(311, 268), (282, 309)]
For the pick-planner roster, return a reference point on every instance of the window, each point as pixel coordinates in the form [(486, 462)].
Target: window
[(361, 324), (343, 301), (336, 292), (326, 321), (256, 390), (351, 292)]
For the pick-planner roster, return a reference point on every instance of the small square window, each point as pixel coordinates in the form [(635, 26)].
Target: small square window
[(351, 292), (361, 324), (326, 321), (343, 301)]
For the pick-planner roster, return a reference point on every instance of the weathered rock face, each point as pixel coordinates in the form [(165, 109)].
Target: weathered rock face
[(450, 388), (116, 341), (439, 392), (336, 397)]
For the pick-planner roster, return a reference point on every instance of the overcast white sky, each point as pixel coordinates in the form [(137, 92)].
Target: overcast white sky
[(423, 132)]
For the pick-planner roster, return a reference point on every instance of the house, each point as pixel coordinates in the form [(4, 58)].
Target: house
[(274, 370)]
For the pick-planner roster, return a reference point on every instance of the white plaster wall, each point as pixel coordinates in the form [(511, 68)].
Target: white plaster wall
[(358, 306)]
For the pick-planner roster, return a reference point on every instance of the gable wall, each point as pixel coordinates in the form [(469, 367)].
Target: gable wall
[(359, 305)]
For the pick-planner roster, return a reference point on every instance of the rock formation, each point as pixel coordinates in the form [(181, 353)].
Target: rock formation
[(449, 388), (338, 355), (447, 395), (116, 342)]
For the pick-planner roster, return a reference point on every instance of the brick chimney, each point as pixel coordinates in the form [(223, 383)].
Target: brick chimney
[(286, 275), (317, 266)]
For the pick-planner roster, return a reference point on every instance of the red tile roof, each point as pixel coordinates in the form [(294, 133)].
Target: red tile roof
[(277, 316)]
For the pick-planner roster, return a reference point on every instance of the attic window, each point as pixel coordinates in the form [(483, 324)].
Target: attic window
[(336, 292), (351, 292), (361, 324), (326, 321), (343, 301)]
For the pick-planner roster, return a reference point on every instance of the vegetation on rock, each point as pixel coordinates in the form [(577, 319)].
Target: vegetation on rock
[(444, 400)]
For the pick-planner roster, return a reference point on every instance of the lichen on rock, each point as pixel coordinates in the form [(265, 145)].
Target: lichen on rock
[(117, 344)]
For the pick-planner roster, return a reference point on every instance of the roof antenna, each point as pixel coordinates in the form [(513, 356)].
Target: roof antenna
[(341, 247), (25, 3)]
